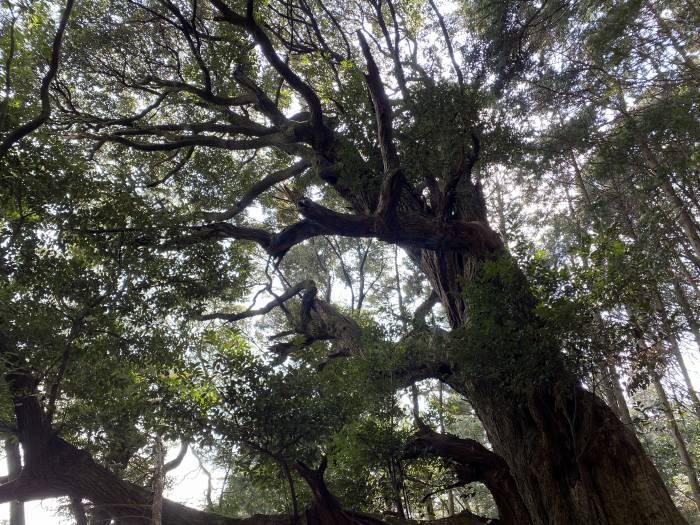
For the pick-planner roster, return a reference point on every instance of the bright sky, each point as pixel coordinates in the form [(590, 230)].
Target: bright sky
[(189, 485)]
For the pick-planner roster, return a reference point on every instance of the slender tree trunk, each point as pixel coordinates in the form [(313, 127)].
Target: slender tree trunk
[(450, 495), (429, 509), (396, 489), (690, 317), (611, 382), (681, 447), (667, 31), (78, 510), (294, 510), (623, 410), (14, 469), (669, 334), (692, 394), (607, 390), (158, 482), (688, 225)]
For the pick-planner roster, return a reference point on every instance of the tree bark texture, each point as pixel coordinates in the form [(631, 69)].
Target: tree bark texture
[(572, 459)]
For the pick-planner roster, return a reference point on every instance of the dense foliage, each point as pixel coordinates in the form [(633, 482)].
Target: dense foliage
[(213, 232)]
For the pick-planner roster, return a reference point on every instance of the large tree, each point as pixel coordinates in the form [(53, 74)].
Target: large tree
[(376, 120)]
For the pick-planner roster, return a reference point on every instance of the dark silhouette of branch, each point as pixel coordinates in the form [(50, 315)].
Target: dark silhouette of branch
[(29, 127)]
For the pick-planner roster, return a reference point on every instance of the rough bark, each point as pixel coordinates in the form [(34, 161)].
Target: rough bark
[(325, 508), (573, 461)]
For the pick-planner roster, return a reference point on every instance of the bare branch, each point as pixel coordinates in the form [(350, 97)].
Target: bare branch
[(175, 169), (177, 460), (288, 294), (392, 47), (393, 176), (257, 189), (424, 308), (448, 43)]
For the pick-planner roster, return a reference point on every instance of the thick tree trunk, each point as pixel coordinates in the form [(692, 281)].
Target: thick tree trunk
[(574, 462), (73, 472), (325, 508)]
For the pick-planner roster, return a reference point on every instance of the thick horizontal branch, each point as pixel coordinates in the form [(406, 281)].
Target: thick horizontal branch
[(411, 229), (237, 126), (24, 489), (275, 244), (285, 143), (216, 231)]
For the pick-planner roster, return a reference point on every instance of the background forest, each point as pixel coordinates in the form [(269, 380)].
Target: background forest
[(366, 261)]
